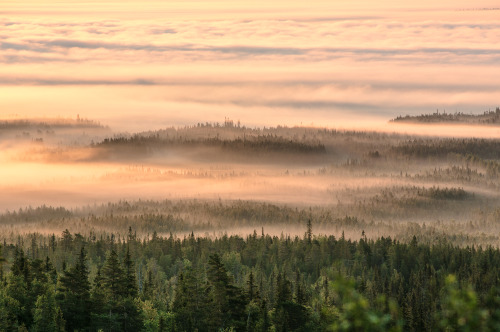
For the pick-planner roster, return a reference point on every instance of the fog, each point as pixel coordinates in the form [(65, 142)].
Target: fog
[(229, 178), (69, 168), (331, 67)]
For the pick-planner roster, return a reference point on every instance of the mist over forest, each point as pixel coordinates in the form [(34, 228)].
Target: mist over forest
[(382, 183), (220, 226), (249, 166)]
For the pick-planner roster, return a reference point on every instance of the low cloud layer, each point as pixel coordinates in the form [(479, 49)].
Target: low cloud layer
[(304, 64)]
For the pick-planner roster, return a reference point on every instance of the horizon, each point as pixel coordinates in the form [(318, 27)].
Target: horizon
[(343, 64)]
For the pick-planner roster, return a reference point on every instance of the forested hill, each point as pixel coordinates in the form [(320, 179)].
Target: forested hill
[(214, 141), (257, 283), (251, 144), (487, 118), (48, 124)]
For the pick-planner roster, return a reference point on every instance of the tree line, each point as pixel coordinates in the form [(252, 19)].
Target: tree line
[(258, 283), (254, 144)]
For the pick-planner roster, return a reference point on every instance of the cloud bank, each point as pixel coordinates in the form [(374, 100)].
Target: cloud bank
[(301, 64)]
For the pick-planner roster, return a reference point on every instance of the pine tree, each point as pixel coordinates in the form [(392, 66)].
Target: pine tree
[(45, 317), (309, 231), (74, 295), (191, 303), (130, 283), (300, 296), (218, 278), (289, 315), (112, 277), (251, 292), (228, 301), (263, 324), (2, 259), (52, 243), (148, 288), (124, 314), (21, 267), (113, 288), (98, 300), (18, 289), (67, 240), (9, 312), (326, 290), (50, 270)]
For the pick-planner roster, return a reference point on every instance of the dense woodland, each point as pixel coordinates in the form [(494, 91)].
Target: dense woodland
[(487, 118), (320, 229), (48, 124), (257, 283)]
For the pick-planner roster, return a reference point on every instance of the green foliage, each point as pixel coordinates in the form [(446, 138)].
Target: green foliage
[(356, 313), (460, 309), (10, 312), (47, 315), (260, 283), (191, 304), (74, 295), (227, 301), (2, 260), (122, 311)]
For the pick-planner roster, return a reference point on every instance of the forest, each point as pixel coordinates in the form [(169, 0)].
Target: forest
[(260, 282), (224, 227), (487, 118)]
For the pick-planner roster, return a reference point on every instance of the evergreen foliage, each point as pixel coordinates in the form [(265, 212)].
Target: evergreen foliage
[(260, 283)]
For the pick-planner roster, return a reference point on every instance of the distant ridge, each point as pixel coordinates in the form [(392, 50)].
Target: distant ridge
[(47, 123), (487, 118)]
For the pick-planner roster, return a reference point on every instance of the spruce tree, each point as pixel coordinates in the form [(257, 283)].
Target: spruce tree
[(112, 278), (114, 290), (124, 315), (130, 282), (2, 259), (74, 295), (9, 312), (228, 300), (98, 300), (191, 304), (309, 231), (46, 312), (251, 292)]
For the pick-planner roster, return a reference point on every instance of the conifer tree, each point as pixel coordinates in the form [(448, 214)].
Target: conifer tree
[(191, 303), (251, 293), (309, 231), (50, 270), (112, 278), (130, 282), (2, 260), (19, 286), (46, 312), (228, 301), (124, 314), (74, 295), (20, 267), (114, 290), (98, 300), (9, 312)]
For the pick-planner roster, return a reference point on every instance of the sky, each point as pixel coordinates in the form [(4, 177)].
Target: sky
[(136, 65)]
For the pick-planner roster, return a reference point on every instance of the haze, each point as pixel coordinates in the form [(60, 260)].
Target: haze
[(251, 101), (137, 66)]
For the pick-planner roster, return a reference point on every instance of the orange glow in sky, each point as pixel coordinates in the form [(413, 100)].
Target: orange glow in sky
[(134, 65)]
